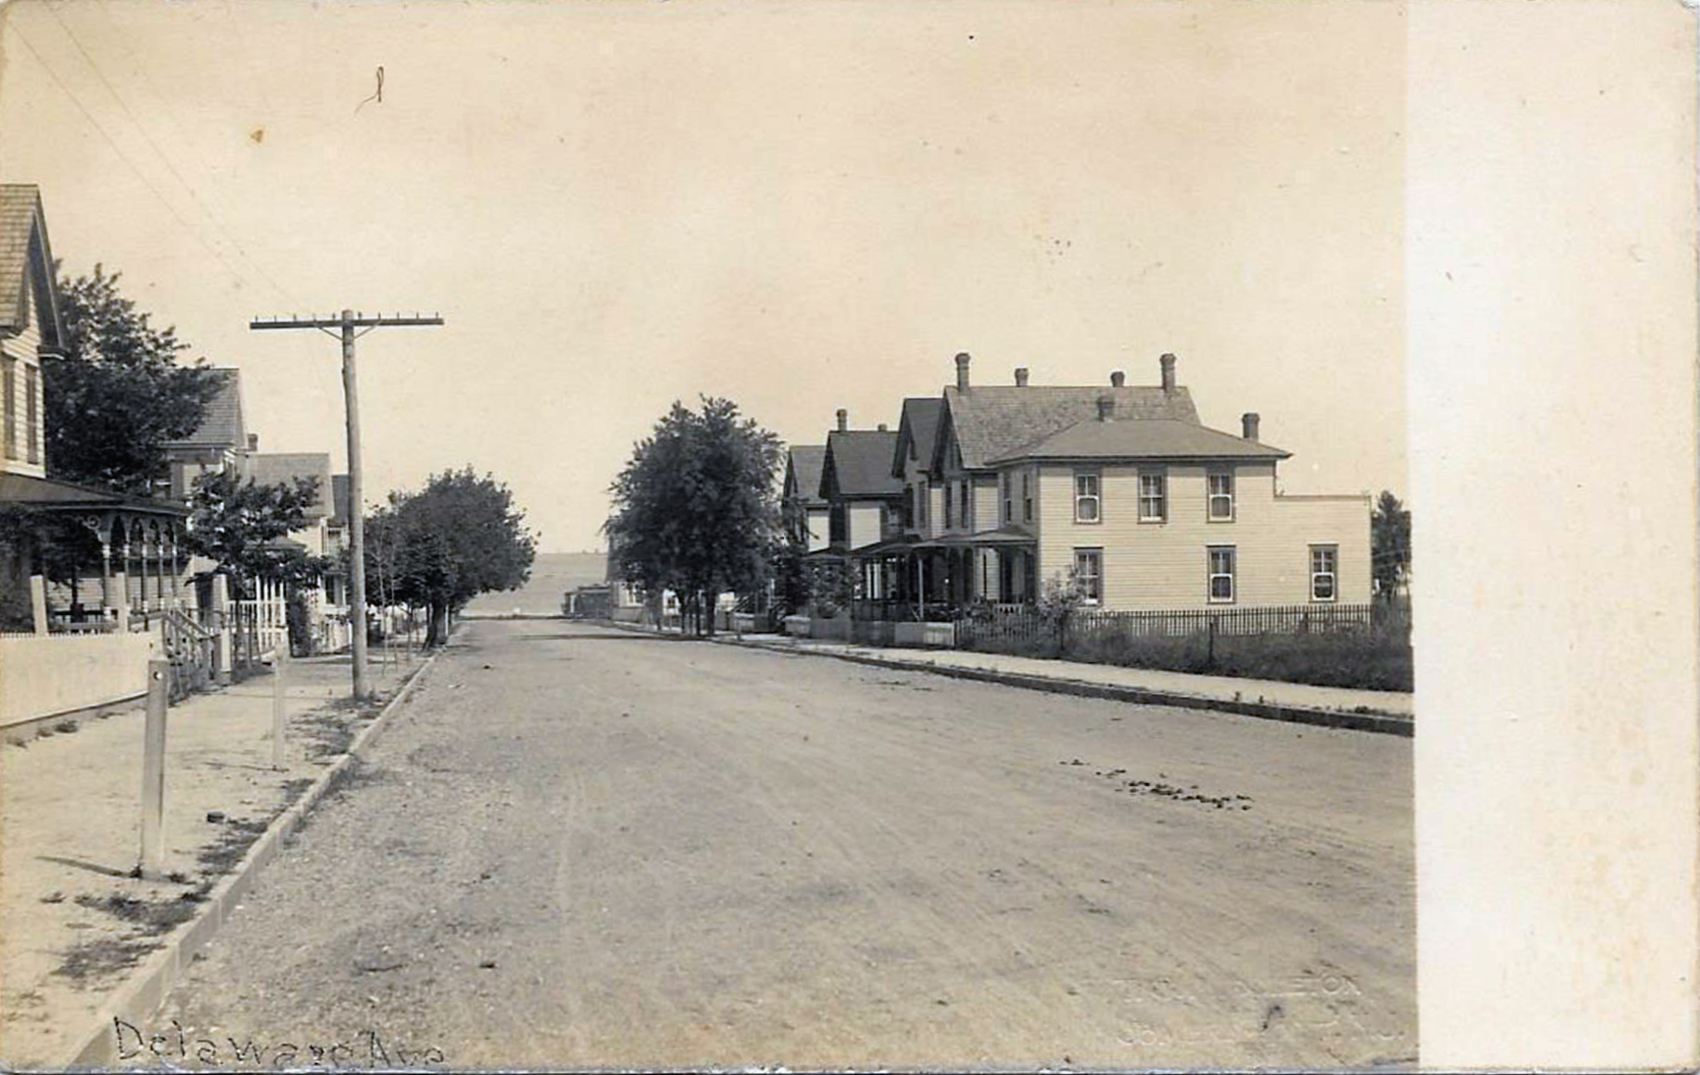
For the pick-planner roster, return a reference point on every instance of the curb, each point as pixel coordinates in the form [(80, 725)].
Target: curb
[(141, 996), (1380, 723), (1326, 718)]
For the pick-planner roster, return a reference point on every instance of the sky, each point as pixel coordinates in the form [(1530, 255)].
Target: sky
[(800, 206)]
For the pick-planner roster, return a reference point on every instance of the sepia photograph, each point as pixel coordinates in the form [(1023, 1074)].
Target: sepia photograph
[(804, 535)]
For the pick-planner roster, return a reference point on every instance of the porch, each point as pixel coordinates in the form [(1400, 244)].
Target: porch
[(911, 579)]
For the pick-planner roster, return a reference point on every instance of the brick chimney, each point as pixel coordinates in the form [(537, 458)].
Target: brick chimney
[(1106, 408), (1118, 378), (843, 419), (882, 427), (1168, 364), (962, 361), (1248, 425), (1021, 376)]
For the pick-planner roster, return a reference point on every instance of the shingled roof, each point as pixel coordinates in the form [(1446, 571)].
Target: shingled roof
[(992, 421), (26, 259), (859, 461), (278, 468), (221, 425), (805, 464), (919, 426), (1142, 438)]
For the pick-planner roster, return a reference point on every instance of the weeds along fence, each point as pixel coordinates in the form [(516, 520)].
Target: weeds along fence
[(1021, 625)]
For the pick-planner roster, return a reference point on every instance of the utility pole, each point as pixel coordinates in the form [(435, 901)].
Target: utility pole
[(346, 324)]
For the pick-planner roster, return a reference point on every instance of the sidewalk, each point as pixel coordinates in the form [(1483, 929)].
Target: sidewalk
[(1243, 695), (76, 925)]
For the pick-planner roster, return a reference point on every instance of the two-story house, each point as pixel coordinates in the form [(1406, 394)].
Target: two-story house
[(1122, 489), (864, 500), (805, 507), (134, 558)]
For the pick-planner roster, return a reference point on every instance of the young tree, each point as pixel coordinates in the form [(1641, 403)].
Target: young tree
[(238, 524), (117, 394), (1390, 543), (439, 548), (696, 509)]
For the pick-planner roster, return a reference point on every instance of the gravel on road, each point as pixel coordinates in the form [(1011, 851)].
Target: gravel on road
[(577, 847)]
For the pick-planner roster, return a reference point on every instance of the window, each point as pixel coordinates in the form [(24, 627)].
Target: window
[(1324, 563), (1086, 499), (1221, 573), (1026, 496), (1221, 488), (32, 419), (1153, 496), (11, 407), (1089, 574), (1008, 508), (949, 498), (967, 516)]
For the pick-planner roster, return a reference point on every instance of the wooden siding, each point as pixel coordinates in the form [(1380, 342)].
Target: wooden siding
[(817, 522), (864, 516), (1165, 565), (24, 347), (986, 503)]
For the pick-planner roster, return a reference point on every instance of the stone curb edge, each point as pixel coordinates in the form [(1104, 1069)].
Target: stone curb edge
[(142, 995), (1326, 718), (1381, 723)]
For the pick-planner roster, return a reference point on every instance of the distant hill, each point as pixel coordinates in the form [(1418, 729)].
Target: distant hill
[(553, 574)]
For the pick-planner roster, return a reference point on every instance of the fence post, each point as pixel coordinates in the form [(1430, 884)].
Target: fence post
[(153, 774), (280, 693), (38, 603), (1210, 657), (221, 624)]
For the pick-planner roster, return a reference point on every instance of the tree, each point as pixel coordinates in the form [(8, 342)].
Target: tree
[(439, 548), (238, 524), (1390, 544), (696, 509), (117, 394), (1057, 605)]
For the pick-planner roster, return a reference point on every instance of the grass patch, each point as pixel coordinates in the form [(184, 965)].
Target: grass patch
[(1378, 658)]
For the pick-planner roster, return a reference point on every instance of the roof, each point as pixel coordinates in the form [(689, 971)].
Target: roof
[(859, 461), (26, 257), (221, 423), (339, 500), (48, 494), (992, 421), (278, 468), (804, 465), (1142, 438), (919, 426)]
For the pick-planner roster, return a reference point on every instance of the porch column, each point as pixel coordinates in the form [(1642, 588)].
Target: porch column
[(106, 605)]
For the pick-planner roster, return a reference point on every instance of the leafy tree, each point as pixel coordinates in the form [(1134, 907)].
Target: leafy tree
[(1390, 543), (439, 548), (238, 524), (117, 394), (1057, 605), (697, 508)]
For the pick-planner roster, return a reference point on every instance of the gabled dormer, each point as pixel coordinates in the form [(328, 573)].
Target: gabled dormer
[(30, 327)]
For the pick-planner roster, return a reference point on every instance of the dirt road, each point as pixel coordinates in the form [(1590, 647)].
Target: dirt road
[(577, 847)]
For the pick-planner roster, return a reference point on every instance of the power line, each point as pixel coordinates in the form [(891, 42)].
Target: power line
[(125, 157), (172, 168)]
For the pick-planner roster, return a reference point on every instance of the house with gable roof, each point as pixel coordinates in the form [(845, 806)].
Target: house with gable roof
[(864, 500), (1118, 486), (805, 508), (133, 560)]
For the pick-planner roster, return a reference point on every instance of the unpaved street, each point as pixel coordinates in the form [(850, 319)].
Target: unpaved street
[(581, 847)]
